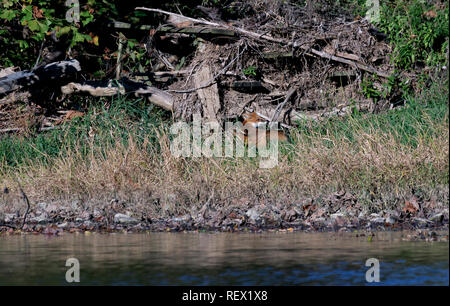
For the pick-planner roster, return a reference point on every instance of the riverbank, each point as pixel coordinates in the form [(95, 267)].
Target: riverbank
[(337, 212), (106, 172), (365, 153)]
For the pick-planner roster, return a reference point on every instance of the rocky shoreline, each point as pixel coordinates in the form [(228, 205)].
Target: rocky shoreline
[(56, 218)]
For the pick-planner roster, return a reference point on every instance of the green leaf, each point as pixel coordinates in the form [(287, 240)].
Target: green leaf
[(23, 44), (28, 15), (8, 14), (33, 25), (7, 4), (62, 31)]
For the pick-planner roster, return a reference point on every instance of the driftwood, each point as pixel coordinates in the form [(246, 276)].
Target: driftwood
[(108, 88), (349, 62), (342, 74), (196, 30), (129, 26), (274, 55), (39, 76), (162, 74), (266, 37), (290, 93), (338, 111)]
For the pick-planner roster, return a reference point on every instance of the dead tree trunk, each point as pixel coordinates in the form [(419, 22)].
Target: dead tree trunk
[(39, 76)]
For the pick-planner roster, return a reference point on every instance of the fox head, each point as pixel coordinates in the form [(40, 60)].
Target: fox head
[(253, 119)]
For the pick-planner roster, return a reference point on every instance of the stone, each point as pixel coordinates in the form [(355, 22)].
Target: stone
[(253, 214), (124, 219), (362, 214), (42, 205), (182, 218), (334, 216), (9, 217), (97, 213), (51, 208), (390, 220), (377, 220), (75, 205), (42, 218)]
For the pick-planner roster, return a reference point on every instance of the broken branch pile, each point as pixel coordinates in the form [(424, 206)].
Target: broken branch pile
[(285, 61)]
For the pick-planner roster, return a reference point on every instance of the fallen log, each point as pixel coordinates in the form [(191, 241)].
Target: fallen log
[(349, 62), (129, 26), (209, 96), (39, 76), (124, 86), (275, 55), (249, 86), (196, 30), (162, 74)]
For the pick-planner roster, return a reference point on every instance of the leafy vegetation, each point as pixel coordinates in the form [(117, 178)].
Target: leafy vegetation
[(418, 30), (26, 27)]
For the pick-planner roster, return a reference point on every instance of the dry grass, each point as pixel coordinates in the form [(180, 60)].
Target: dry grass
[(379, 165)]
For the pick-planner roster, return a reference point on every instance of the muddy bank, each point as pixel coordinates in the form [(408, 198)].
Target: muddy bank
[(336, 212)]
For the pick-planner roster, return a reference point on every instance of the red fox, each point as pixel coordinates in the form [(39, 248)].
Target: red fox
[(254, 132)]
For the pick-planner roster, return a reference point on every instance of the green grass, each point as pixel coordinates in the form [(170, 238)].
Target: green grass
[(108, 125), (415, 118), (103, 126)]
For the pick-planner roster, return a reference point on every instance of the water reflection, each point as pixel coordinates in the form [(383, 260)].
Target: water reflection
[(222, 259)]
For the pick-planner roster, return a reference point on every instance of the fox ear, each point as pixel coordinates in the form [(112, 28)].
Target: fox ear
[(246, 115)]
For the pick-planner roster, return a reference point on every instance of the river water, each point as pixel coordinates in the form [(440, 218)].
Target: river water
[(222, 259)]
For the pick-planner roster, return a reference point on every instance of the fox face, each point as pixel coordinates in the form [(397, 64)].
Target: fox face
[(253, 119), (254, 131)]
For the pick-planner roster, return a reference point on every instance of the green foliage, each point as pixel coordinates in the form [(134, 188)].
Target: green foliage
[(368, 89), (418, 31), (250, 70), (26, 25), (36, 21)]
